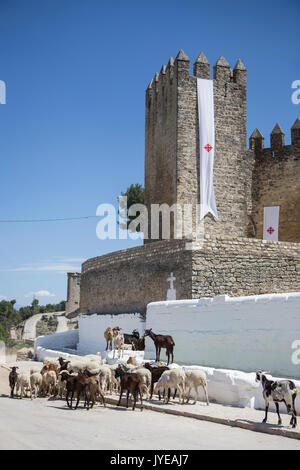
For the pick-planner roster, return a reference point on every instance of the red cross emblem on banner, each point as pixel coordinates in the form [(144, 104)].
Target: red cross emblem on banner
[(270, 230), (208, 147)]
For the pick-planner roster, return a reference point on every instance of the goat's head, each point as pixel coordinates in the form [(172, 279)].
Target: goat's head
[(147, 332), (259, 375)]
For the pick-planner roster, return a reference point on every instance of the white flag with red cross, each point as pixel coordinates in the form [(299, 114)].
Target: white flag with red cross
[(271, 223), (205, 93)]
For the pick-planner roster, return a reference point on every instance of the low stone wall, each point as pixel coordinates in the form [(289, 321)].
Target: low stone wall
[(126, 281)]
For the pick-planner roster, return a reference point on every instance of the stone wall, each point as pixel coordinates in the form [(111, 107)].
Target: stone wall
[(172, 141), (276, 182), (73, 293), (126, 281)]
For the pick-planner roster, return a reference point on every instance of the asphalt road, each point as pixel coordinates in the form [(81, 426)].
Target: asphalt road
[(49, 424)]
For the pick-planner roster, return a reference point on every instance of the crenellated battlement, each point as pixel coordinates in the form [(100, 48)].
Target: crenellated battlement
[(277, 142)]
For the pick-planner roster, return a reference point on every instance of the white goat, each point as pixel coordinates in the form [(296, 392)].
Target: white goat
[(118, 343), (193, 380)]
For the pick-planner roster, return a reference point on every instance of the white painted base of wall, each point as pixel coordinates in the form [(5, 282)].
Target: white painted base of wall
[(236, 388), (243, 333)]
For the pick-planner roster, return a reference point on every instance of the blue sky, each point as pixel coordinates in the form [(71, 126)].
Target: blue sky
[(72, 129)]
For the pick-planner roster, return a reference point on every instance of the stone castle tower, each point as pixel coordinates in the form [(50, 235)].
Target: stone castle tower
[(232, 258), (172, 151)]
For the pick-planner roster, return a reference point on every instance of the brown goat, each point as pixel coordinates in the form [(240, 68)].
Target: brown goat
[(162, 341), (49, 366), (132, 383), (13, 375)]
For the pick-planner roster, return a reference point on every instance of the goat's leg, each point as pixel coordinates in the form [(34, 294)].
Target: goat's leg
[(277, 411), (151, 391), (188, 394), (127, 399), (78, 398), (266, 413), (294, 411), (206, 394), (141, 396), (121, 393)]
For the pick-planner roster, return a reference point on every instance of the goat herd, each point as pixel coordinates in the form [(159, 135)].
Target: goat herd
[(91, 378)]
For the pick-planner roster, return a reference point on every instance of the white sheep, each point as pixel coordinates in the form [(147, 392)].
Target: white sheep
[(49, 383), (36, 380), (174, 378), (23, 383), (193, 380)]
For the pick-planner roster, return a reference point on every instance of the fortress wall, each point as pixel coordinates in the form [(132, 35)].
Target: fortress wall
[(127, 280), (245, 267), (277, 183)]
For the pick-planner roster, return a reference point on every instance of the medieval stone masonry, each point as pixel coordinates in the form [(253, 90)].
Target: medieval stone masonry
[(232, 258)]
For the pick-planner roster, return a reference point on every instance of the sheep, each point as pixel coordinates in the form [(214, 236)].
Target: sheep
[(49, 383), (174, 378), (13, 376), (23, 383), (193, 380), (132, 360), (132, 383), (36, 381), (277, 391)]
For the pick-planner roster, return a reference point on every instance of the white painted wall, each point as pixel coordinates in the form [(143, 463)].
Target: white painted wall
[(244, 333), (92, 328), (51, 345)]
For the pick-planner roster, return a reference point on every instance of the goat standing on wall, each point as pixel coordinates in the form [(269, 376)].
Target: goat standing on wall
[(108, 335), (162, 341)]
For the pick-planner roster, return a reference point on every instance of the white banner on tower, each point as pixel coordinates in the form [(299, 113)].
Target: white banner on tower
[(271, 223), (205, 93)]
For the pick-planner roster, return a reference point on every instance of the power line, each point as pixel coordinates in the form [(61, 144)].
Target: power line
[(46, 220)]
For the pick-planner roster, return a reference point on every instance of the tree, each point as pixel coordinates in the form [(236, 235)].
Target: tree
[(135, 195)]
